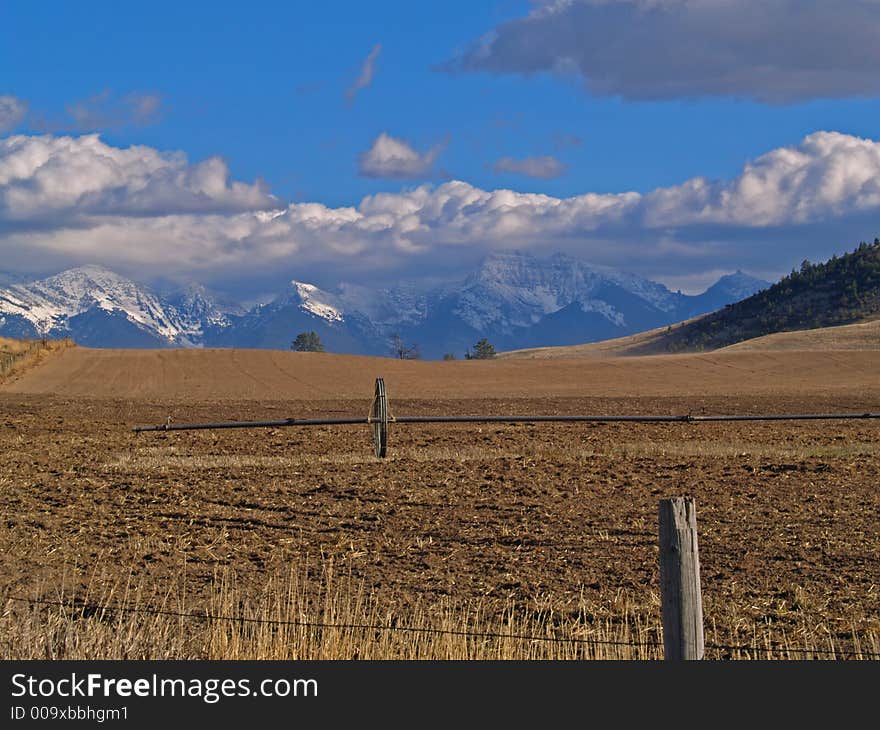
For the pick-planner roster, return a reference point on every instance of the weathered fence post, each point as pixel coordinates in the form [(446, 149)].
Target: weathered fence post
[(682, 602)]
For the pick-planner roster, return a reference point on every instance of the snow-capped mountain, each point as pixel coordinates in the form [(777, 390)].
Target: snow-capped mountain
[(299, 308), (514, 299), (98, 307), (200, 313), (512, 290), (519, 300), (734, 286)]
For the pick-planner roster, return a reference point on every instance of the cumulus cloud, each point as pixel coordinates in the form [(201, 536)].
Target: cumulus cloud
[(12, 112), (56, 177), (389, 157), (827, 176), (76, 200), (544, 167), (365, 77), (775, 51)]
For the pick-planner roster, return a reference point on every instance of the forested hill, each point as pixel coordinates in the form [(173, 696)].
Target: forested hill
[(842, 290)]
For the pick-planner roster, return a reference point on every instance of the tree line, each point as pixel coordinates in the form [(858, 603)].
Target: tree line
[(311, 342)]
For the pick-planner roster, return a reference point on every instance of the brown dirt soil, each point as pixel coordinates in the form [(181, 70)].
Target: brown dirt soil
[(788, 512)]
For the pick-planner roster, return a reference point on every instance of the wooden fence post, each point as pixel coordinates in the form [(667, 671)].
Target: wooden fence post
[(682, 602)]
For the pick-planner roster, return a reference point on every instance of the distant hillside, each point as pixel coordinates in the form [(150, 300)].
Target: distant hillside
[(649, 342), (859, 336), (843, 290)]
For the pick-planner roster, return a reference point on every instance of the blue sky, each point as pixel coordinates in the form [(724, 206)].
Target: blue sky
[(319, 105)]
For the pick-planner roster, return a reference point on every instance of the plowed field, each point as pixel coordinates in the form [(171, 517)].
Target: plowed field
[(788, 512)]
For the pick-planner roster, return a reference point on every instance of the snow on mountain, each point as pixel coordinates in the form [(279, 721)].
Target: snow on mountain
[(320, 303), (655, 294), (404, 304), (512, 290), (58, 304), (605, 309), (727, 290), (198, 310), (515, 299), (49, 303), (382, 307), (738, 285)]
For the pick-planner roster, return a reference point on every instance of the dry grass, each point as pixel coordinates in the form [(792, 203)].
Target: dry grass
[(17, 356), (292, 618), (650, 342), (858, 336), (8, 345)]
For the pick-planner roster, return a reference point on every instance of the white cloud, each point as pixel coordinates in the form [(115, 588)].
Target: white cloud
[(776, 51), (365, 77), (544, 167), (56, 177), (390, 157), (66, 201), (827, 176), (12, 112)]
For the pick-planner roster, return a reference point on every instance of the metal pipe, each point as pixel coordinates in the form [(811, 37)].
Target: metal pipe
[(251, 424), (637, 419), (506, 419), (527, 419), (792, 417)]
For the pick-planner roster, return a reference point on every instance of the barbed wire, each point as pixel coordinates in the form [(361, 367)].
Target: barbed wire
[(327, 625), (74, 606)]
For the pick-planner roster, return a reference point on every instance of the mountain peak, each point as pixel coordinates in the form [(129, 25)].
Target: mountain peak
[(738, 285), (318, 302), (91, 271), (50, 305)]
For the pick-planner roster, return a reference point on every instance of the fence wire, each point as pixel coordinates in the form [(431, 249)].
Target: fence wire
[(754, 649), (96, 608)]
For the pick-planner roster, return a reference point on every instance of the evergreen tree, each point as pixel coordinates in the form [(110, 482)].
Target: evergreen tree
[(307, 342), (483, 350)]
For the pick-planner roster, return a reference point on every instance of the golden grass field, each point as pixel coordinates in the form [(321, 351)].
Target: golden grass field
[(469, 540), (16, 356), (858, 336)]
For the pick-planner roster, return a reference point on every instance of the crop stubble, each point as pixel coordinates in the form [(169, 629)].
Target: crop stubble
[(526, 515)]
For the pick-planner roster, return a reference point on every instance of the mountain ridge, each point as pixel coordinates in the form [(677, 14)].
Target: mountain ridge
[(513, 298)]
